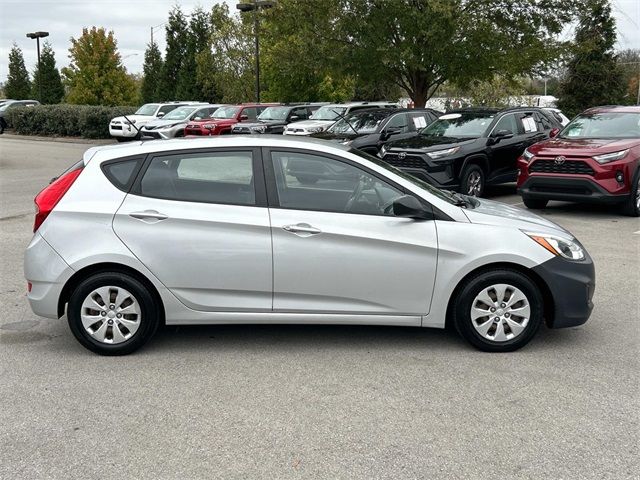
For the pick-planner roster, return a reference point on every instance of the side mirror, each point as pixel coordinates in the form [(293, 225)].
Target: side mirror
[(500, 135), (409, 207), (391, 131), (244, 117), (160, 114), (554, 132), (294, 118)]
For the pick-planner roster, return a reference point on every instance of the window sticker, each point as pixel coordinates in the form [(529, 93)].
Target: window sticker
[(419, 122), (529, 124)]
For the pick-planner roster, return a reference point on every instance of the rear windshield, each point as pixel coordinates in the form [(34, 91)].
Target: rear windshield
[(603, 125)]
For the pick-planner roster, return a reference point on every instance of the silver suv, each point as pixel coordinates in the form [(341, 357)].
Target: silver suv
[(215, 231)]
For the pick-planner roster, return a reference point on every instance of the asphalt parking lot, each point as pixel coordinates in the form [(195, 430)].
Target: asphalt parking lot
[(318, 401)]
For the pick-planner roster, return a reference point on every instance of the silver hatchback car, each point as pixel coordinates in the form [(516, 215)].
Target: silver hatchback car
[(220, 230)]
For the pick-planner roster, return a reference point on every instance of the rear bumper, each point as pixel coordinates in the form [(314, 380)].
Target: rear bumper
[(572, 285), (47, 272), (572, 189)]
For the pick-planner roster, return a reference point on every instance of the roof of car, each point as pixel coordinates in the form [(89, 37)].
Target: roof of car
[(108, 152), (614, 108)]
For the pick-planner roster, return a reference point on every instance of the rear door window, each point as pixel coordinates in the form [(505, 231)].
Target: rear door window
[(211, 177)]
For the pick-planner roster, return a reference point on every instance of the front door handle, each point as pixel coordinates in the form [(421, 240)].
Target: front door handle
[(148, 215), (303, 228)]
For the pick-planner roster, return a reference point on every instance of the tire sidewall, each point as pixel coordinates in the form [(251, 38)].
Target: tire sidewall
[(149, 313), (470, 290)]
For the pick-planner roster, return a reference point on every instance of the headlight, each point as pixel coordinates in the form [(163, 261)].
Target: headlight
[(610, 157), (315, 129), (210, 126), (259, 129), (527, 155), (382, 151), (346, 141), (443, 153), (558, 246)]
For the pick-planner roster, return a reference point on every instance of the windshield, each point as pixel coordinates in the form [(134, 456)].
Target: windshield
[(360, 122), (459, 125), (328, 113), (179, 113), (441, 194), (603, 125), (274, 113), (148, 109), (225, 112)]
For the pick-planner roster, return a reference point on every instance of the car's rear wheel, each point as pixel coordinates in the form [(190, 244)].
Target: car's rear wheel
[(632, 206), (112, 313), (498, 310), (535, 203), (472, 181)]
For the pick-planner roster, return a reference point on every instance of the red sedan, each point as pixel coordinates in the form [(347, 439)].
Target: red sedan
[(224, 118)]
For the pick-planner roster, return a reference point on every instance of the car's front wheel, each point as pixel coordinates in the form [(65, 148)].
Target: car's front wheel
[(498, 310), (472, 181), (632, 206), (112, 313)]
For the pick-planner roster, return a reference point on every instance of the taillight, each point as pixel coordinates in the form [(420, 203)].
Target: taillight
[(49, 197)]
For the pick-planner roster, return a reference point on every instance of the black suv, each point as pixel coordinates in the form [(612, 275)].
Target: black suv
[(469, 148), (368, 130), (275, 119)]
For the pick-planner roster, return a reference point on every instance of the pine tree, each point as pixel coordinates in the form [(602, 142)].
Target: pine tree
[(18, 86), (151, 83), (593, 74), (177, 37), (49, 76), (197, 41)]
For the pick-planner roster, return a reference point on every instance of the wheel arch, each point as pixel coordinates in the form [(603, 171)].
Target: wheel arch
[(89, 270), (477, 159), (548, 306)]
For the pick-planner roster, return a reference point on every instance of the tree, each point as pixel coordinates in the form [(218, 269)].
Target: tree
[(152, 69), (593, 76), (96, 75), (176, 34), (420, 44), (17, 86), (225, 67), (629, 61), (189, 87), (48, 76)]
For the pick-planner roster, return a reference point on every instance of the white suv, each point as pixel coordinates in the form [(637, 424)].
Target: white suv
[(327, 115), (123, 129)]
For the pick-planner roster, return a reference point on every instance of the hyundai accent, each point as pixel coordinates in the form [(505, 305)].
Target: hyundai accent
[(218, 230)]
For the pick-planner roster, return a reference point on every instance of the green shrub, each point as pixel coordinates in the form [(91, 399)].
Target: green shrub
[(65, 120)]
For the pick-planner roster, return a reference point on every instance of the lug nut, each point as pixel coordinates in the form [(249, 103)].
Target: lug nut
[(507, 315), (103, 313), (119, 315), (493, 309), (112, 306), (502, 305)]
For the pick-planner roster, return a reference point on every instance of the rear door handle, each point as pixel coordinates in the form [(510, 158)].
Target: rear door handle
[(303, 228), (148, 214)]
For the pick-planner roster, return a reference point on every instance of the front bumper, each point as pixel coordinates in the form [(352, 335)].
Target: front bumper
[(440, 173), (570, 189), (122, 130), (572, 285), (47, 272)]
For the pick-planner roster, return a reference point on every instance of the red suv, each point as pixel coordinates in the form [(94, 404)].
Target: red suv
[(595, 158), (225, 117)]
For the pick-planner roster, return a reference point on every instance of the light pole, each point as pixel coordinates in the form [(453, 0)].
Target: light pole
[(254, 6), (153, 28), (38, 36)]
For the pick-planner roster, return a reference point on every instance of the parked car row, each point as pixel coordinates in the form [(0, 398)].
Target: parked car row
[(7, 104)]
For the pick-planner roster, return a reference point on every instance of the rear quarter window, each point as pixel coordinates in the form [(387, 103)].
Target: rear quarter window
[(122, 172)]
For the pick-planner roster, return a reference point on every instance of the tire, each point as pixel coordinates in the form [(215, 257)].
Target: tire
[(479, 330), (122, 139), (535, 203), (126, 333), (304, 180), (631, 207), (472, 181), (3, 125)]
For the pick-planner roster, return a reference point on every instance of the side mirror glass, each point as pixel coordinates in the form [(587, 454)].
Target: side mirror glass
[(391, 131), (294, 118), (554, 132), (244, 117), (409, 207)]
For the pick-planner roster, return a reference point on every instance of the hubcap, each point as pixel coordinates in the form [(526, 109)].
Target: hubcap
[(111, 315), (474, 184), (500, 312)]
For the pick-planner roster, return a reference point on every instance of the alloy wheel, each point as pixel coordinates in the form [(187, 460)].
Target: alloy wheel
[(638, 194), (500, 312), (474, 184), (111, 315)]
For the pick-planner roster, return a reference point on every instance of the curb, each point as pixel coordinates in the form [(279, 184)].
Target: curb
[(37, 138)]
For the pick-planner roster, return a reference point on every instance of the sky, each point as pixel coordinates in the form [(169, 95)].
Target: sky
[(131, 21)]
